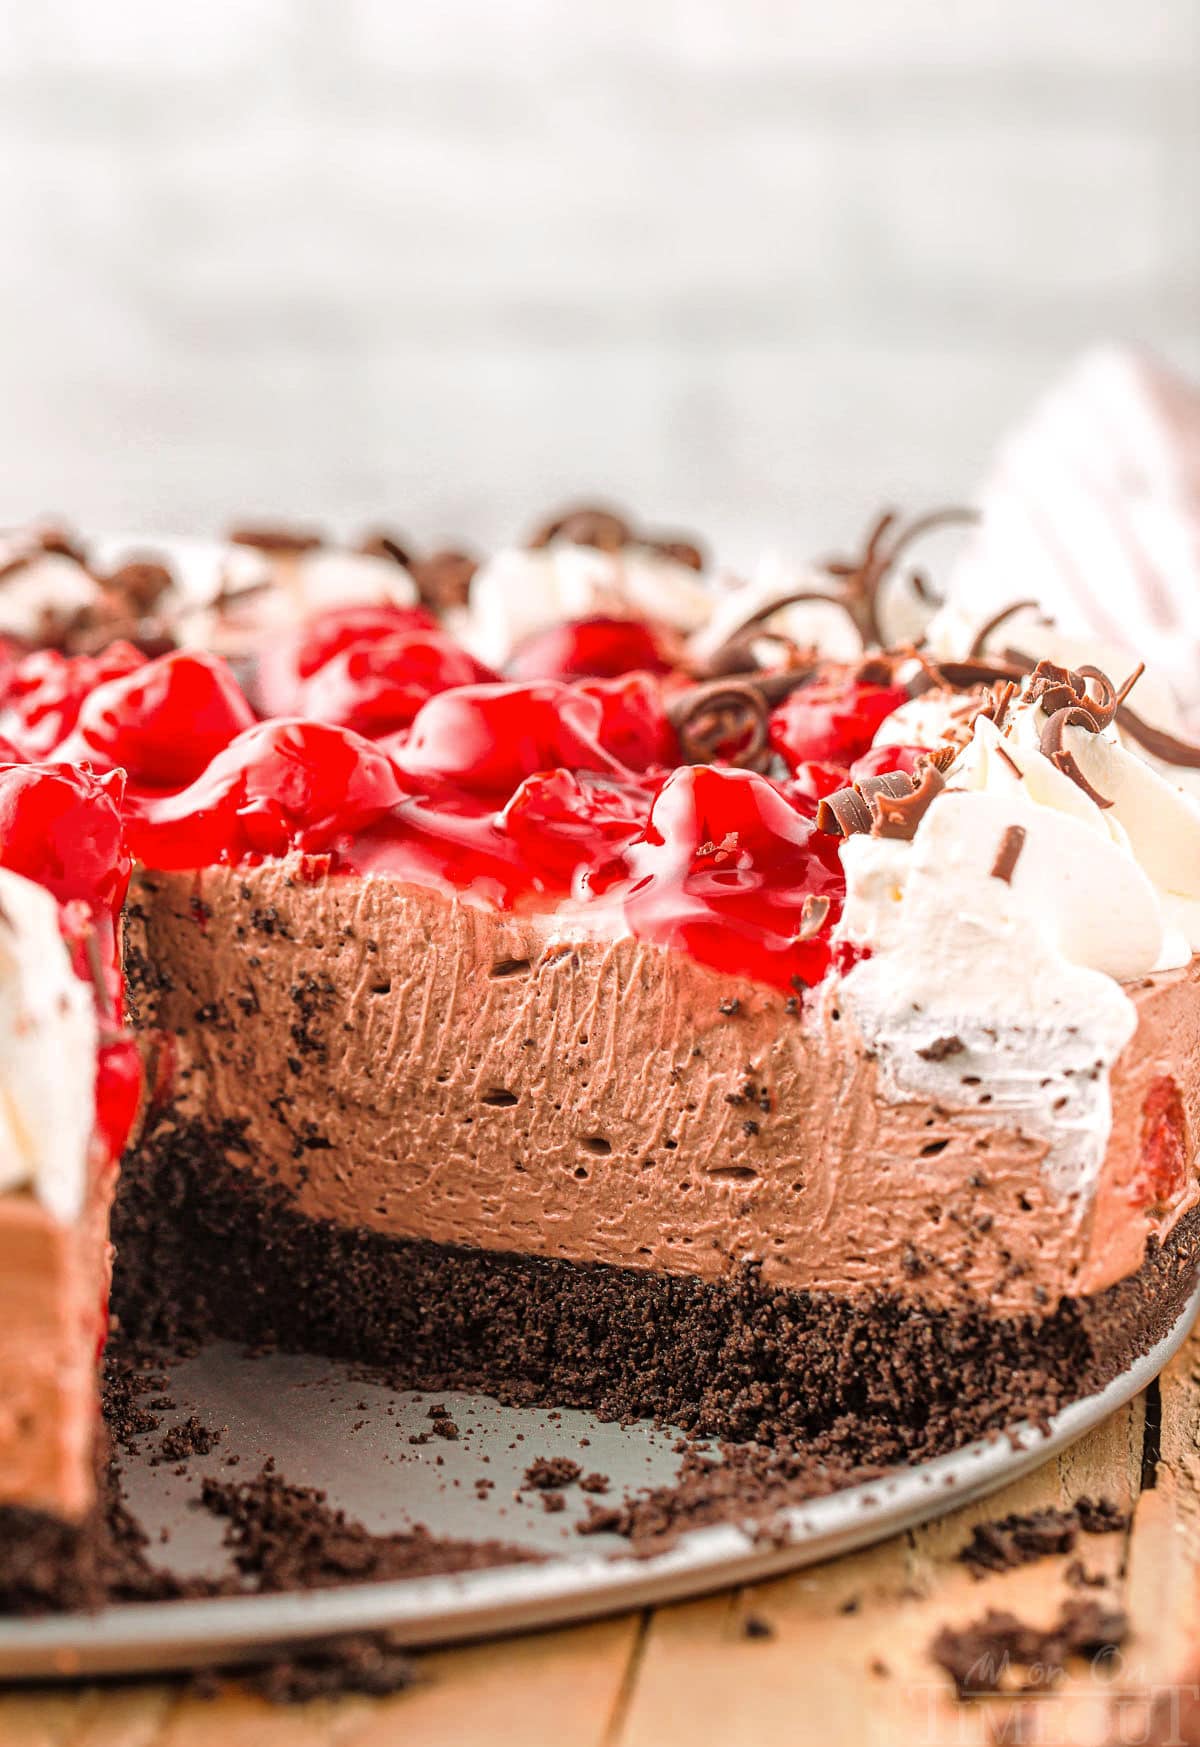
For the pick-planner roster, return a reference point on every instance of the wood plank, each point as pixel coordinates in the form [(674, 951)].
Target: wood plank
[(847, 1657), (849, 1653), (555, 1689)]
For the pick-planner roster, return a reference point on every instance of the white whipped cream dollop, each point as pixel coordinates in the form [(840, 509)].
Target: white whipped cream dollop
[(995, 979), (41, 591), (48, 1039), (227, 589), (518, 593)]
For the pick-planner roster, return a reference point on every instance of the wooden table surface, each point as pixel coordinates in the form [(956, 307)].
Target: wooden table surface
[(846, 1658)]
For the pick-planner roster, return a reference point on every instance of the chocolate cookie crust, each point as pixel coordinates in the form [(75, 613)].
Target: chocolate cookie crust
[(206, 1248)]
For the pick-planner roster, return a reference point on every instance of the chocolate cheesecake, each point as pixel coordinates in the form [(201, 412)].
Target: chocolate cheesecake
[(796, 1050)]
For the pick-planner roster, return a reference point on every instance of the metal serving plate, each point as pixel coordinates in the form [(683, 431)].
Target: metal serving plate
[(328, 1428)]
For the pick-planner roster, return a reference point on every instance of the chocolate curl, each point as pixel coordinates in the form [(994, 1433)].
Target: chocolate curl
[(605, 531), (891, 805), (899, 815), (279, 540), (979, 640), (1053, 746), (858, 583), (725, 713)]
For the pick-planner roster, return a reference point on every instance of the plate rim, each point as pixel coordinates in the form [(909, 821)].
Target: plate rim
[(424, 1612)]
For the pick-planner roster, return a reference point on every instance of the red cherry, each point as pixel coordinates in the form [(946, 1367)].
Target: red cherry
[(833, 720), (489, 738), (722, 871), (61, 826), (118, 1092), (1164, 1165), (881, 760), (591, 649), (166, 721), (280, 786), (378, 687), (46, 691), (634, 726), (287, 663), (562, 825)]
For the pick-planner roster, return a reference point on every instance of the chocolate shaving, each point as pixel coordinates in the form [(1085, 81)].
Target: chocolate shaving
[(899, 815), (605, 531), (1009, 853), (858, 583), (891, 805), (843, 813), (1003, 753), (1157, 742), (942, 757), (962, 675), (999, 702), (443, 579), (725, 719), (979, 640), (380, 544), (275, 539), (813, 914), (1055, 750)]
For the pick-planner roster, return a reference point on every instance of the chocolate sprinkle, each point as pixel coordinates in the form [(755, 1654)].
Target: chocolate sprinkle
[(1009, 853)]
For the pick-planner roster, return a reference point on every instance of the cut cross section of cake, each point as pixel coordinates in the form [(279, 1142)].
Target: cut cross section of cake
[(807, 1053)]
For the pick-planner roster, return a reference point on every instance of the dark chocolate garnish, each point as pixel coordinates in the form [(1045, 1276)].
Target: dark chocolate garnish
[(858, 584), (727, 718), (979, 640), (265, 538), (380, 544), (891, 805), (1009, 853), (899, 815), (443, 579)]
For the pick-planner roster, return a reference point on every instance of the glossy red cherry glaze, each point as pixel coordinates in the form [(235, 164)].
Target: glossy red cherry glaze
[(722, 870), (521, 793), (591, 649), (296, 655), (1165, 1154), (62, 828), (164, 722), (46, 691), (811, 782), (379, 686), (487, 739), (634, 725), (833, 720), (280, 786)]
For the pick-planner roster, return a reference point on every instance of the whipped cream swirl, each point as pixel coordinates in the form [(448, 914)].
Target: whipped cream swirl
[(48, 1040), (519, 592), (1001, 933)]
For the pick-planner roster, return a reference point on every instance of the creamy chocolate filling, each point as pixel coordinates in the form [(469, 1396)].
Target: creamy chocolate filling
[(405, 1062)]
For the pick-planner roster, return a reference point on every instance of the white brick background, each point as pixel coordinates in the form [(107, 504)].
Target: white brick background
[(753, 265)]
